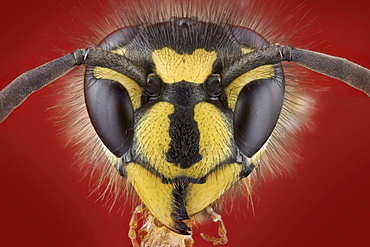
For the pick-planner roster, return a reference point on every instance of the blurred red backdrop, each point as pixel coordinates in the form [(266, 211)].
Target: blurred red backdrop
[(324, 203)]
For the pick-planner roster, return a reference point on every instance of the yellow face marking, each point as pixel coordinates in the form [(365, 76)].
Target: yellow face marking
[(156, 196), (199, 196), (173, 67), (233, 90), (152, 133)]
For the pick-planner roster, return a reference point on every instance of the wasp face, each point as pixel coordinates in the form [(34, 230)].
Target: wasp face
[(184, 137)]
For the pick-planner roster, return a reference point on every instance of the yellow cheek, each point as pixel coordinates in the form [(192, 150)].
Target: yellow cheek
[(156, 196), (199, 196)]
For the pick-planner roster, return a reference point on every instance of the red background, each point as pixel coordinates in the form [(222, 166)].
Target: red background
[(325, 202)]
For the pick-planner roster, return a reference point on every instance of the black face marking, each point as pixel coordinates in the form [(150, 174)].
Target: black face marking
[(184, 135)]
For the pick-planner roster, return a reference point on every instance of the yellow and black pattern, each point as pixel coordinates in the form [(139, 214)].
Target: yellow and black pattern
[(181, 155)]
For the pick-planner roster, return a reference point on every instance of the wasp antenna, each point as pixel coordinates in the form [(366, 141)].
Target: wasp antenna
[(121, 64), (24, 85), (336, 67), (268, 55), (31, 81)]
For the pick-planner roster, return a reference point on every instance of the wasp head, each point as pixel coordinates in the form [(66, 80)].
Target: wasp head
[(184, 136)]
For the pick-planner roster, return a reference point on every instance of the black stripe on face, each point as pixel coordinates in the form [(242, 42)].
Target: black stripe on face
[(184, 133)]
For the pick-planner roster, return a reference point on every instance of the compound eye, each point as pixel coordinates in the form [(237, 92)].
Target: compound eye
[(256, 113), (213, 85), (111, 113), (153, 85), (108, 102)]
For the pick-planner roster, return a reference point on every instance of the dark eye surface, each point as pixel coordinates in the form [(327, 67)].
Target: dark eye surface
[(256, 113), (111, 113)]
